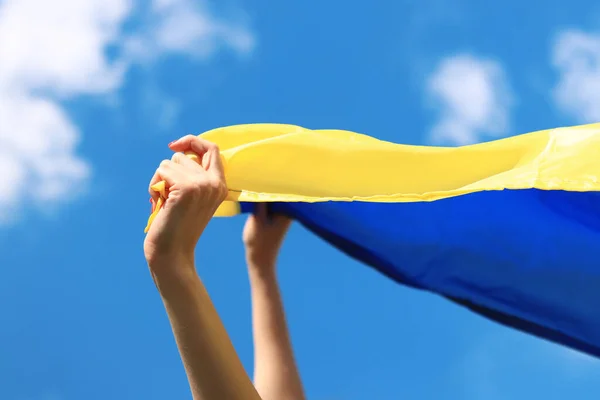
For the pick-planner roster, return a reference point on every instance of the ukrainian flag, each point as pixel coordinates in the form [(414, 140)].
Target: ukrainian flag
[(509, 228)]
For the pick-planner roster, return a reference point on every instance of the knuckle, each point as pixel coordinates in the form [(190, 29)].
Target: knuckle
[(187, 139), (204, 187), (212, 147), (213, 184), (218, 187), (164, 164), (205, 143), (187, 188)]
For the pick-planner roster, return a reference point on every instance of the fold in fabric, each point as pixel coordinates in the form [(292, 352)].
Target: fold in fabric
[(509, 228)]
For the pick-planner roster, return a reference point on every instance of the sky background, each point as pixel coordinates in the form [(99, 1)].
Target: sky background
[(92, 91)]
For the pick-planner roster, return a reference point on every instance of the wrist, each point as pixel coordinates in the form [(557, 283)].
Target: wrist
[(167, 261), (172, 270), (175, 286), (263, 281), (261, 259), (261, 270)]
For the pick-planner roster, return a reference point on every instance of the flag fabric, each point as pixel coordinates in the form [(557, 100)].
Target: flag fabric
[(509, 228)]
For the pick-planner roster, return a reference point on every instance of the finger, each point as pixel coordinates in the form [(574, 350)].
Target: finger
[(169, 171), (155, 179), (207, 151), (212, 161), (187, 160), (190, 142)]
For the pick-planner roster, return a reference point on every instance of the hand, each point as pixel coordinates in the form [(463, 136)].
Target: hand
[(195, 191), (263, 236)]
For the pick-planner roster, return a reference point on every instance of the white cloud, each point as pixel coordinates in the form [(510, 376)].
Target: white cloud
[(576, 56), (186, 26), (473, 99), (59, 45), (51, 51)]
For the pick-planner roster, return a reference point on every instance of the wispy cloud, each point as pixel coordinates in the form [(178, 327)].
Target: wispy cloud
[(473, 99), (513, 365), (186, 26), (576, 56), (54, 51)]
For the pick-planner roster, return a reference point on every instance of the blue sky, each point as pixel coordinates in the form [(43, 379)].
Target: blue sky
[(90, 94)]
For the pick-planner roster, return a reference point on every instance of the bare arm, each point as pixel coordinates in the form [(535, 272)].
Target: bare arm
[(276, 375), (195, 190), (213, 368)]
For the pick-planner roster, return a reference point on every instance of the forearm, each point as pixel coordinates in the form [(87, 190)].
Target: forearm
[(213, 368), (276, 376)]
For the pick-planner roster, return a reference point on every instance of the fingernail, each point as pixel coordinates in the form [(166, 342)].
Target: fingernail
[(153, 204), (174, 141)]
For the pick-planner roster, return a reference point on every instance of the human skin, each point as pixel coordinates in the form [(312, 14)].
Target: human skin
[(195, 190), (276, 375)]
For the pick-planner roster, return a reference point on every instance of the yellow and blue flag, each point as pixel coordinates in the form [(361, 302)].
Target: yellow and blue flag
[(508, 228)]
